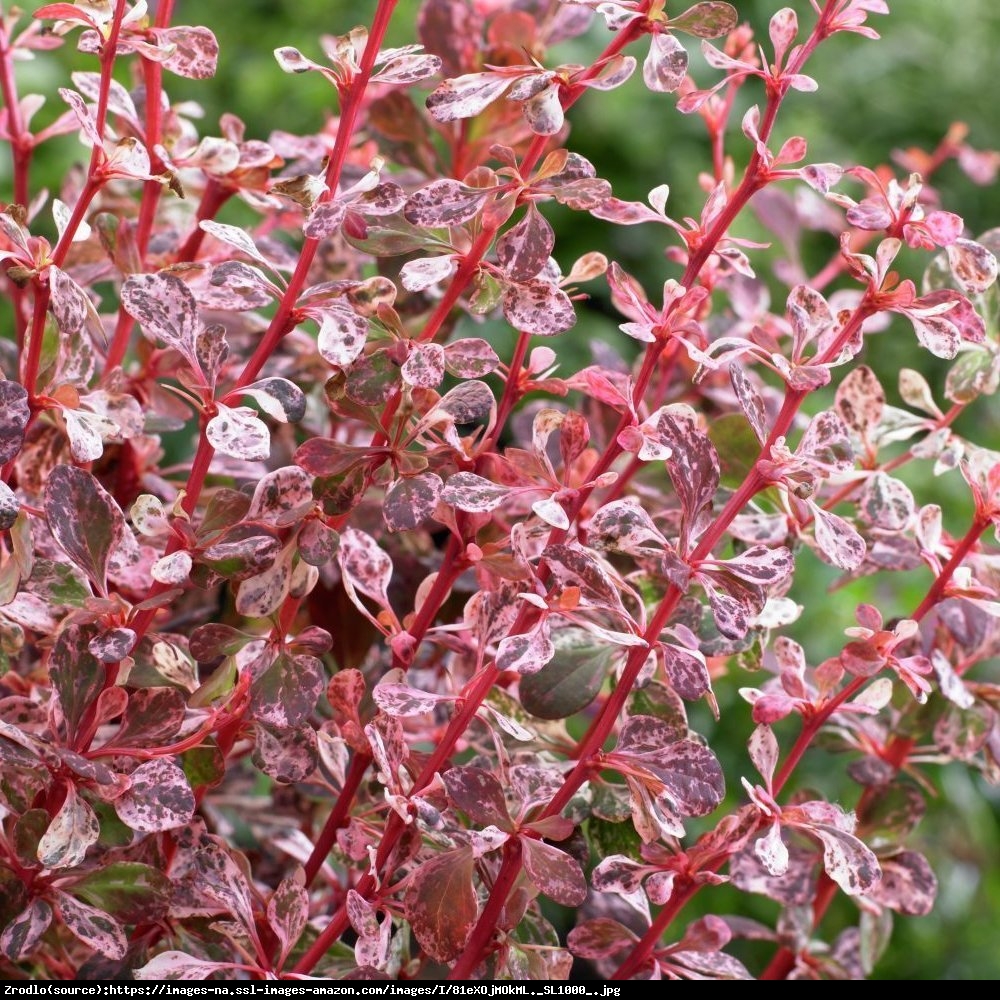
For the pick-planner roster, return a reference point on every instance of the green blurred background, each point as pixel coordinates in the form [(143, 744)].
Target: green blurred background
[(935, 64)]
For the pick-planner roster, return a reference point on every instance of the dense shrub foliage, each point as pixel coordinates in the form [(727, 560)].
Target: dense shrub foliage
[(359, 621)]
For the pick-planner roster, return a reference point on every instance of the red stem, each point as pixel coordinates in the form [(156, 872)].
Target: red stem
[(338, 815)]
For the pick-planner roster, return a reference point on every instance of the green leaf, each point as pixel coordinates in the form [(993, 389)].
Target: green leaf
[(204, 766), (607, 838), (128, 891), (737, 446), (662, 703), (571, 680)]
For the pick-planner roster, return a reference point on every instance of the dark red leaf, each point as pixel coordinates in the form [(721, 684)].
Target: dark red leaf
[(441, 905), (85, 520), (553, 872)]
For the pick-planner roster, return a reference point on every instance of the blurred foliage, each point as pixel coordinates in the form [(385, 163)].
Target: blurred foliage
[(934, 65)]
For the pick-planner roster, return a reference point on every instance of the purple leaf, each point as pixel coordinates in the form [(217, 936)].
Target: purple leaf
[(286, 755), (403, 701), (166, 310), (525, 249), (159, 798), (471, 357), (601, 938), (886, 503), (466, 96), (544, 111), (693, 463), (85, 520), (760, 564), (974, 267), (237, 238), (424, 368), (526, 653), (288, 911), (708, 965), (827, 442), (539, 307), (76, 674), (836, 540), (620, 874), (553, 872), (195, 51), (221, 879), (92, 926), (846, 859), (440, 903), (14, 416), (286, 693), (750, 401), (467, 403), (238, 432), (689, 772), (21, 936), (153, 716), (666, 65), (908, 884), (237, 286), (411, 502), (365, 567), (173, 966), (72, 831), (573, 564), (70, 304), (686, 672), (861, 401), (444, 203), (763, 747), (708, 19), (281, 497), (425, 272), (479, 795), (261, 594), (325, 219)]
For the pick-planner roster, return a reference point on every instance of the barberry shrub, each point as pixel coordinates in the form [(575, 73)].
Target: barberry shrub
[(353, 627)]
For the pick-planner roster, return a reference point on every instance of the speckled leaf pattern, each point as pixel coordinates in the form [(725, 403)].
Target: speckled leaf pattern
[(278, 398), (440, 903), (286, 693), (553, 872), (526, 653), (412, 501), (21, 936), (73, 830), (750, 401), (525, 248), (76, 674), (85, 520), (166, 310), (666, 64), (237, 431), (836, 540), (195, 52), (466, 96), (342, 335), (443, 203), (288, 911), (159, 798), (537, 306), (14, 416), (92, 926)]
